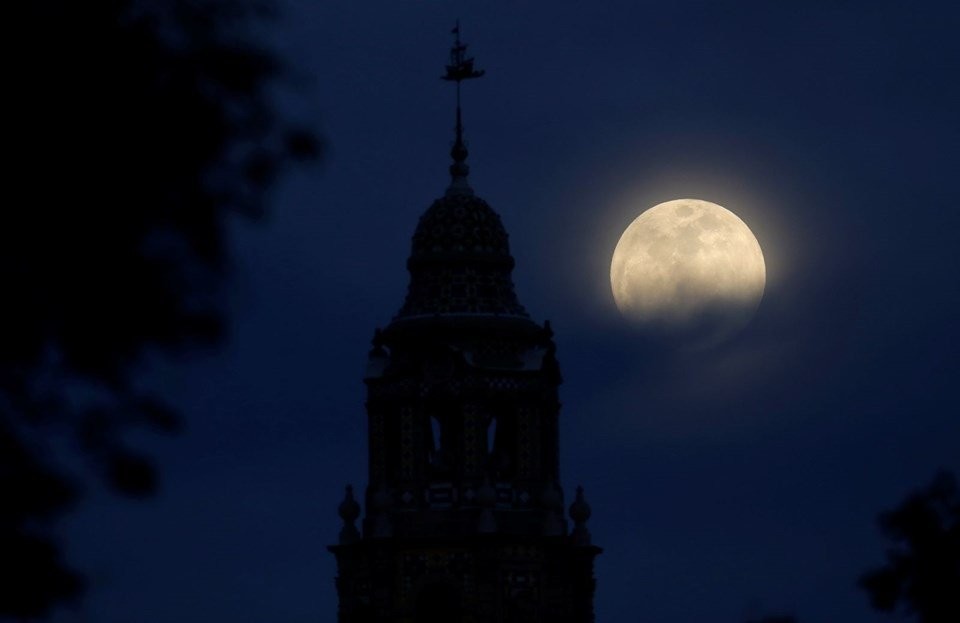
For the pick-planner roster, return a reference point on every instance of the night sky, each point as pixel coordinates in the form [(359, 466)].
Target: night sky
[(725, 484)]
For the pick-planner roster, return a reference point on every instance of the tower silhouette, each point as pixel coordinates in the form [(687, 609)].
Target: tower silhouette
[(464, 510)]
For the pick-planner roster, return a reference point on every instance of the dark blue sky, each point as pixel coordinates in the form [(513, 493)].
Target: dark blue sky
[(725, 484)]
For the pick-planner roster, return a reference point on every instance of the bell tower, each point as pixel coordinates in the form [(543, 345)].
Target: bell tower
[(464, 509)]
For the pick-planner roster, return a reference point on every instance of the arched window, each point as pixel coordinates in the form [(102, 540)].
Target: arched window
[(436, 437), (491, 435), (438, 458), (503, 450)]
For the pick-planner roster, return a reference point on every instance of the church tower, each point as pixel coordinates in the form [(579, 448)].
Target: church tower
[(464, 510)]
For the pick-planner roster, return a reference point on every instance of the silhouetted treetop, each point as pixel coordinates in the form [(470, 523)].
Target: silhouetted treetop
[(922, 573), (137, 128)]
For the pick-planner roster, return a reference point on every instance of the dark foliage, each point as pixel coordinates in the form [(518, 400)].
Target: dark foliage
[(136, 128), (922, 573)]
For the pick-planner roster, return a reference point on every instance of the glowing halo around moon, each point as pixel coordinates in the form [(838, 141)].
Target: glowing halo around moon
[(689, 270)]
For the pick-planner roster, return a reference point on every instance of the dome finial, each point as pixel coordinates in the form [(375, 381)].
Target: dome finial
[(459, 69)]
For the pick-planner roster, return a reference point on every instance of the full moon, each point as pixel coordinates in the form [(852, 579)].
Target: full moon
[(688, 269)]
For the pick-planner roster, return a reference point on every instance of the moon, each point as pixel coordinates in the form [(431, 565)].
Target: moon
[(688, 269)]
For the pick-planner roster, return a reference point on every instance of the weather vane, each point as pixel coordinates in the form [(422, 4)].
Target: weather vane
[(461, 66), (459, 69)]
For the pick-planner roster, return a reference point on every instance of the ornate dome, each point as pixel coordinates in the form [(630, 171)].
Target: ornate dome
[(460, 262), (460, 225)]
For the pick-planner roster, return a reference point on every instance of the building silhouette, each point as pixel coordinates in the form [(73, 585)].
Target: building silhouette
[(464, 509)]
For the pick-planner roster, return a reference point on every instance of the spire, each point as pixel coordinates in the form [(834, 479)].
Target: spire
[(459, 69)]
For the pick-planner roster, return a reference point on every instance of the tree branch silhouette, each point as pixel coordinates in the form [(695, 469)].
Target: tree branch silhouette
[(922, 574), (137, 128)]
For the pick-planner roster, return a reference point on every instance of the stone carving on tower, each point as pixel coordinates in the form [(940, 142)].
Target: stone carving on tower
[(464, 510)]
